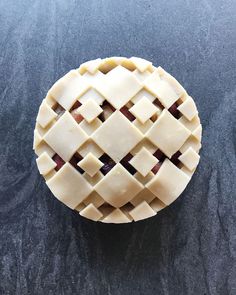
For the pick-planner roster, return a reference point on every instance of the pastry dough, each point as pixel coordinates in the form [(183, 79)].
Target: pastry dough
[(144, 109), (117, 139), (190, 158), (90, 164), (118, 86), (65, 137), (70, 87), (45, 115), (118, 187), (143, 161), (90, 110), (188, 108), (69, 186), (142, 211), (45, 163), (168, 134), (168, 183), (117, 136)]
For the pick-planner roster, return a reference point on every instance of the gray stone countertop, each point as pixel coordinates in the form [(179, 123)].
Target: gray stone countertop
[(188, 248)]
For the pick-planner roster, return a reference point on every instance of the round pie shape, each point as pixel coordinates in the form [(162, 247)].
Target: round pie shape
[(117, 139)]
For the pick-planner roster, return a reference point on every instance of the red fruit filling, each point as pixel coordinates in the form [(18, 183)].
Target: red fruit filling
[(108, 163), (76, 105), (158, 104), (174, 111), (74, 161), (174, 159), (159, 155), (78, 118), (108, 109), (59, 161), (106, 103), (156, 168), (125, 111), (127, 165), (59, 110)]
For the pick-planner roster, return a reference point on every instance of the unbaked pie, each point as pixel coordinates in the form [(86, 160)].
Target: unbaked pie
[(117, 139)]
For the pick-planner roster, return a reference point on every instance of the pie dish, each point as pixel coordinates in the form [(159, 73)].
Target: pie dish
[(117, 139)]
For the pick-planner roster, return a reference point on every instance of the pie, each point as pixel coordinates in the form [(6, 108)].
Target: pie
[(117, 139)]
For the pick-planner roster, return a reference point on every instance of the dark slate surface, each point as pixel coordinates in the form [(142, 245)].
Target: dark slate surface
[(190, 247)]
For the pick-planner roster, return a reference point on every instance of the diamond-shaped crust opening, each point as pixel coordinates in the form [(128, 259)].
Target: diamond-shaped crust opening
[(190, 158), (188, 108), (45, 163), (118, 187), (143, 161), (118, 86), (168, 183), (168, 134), (91, 212), (90, 164), (143, 110), (90, 110), (65, 137), (69, 186), (68, 89), (116, 216), (142, 211), (45, 115), (117, 136)]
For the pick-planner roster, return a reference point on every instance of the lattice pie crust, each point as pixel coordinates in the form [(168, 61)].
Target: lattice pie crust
[(117, 139)]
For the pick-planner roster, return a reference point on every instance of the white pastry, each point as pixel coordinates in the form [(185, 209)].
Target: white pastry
[(117, 139)]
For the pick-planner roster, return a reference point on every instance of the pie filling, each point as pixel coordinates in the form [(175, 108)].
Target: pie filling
[(107, 161), (117, 139)]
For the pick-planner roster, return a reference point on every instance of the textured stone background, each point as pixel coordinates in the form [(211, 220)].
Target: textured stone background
[(190, 247)]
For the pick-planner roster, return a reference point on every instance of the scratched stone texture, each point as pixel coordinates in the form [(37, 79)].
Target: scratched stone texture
[(188, 248)]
